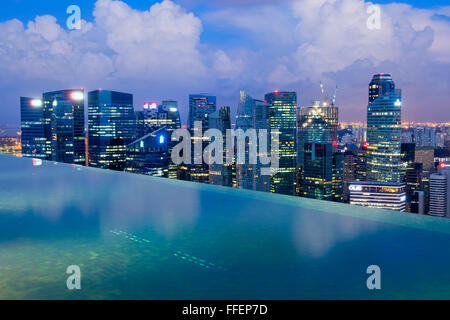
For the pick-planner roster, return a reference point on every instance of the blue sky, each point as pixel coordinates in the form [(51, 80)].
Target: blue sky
[(223, 46)]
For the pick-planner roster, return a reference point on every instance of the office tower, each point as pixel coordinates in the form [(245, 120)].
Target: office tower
[(361, 165), (141, 128), (32, 127), (169, 118), (349, 172), (338, 177), (381, 195), (111, 128), (283, 120), (318, 123), (221, 174), (149, 155), (200, 106), (440, 192), (407, 137), (318, 171), (253, 114), (425, 155), (408, 154), (64, 125), (413, 181), (384, 130)]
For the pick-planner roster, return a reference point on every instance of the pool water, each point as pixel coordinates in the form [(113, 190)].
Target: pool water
[(139, 237)]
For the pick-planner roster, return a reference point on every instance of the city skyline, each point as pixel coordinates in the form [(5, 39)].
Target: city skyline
[(236, 55)]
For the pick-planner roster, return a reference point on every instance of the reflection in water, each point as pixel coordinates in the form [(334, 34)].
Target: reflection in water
[(317, 235)]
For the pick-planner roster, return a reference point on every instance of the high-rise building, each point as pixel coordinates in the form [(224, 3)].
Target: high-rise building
[(318, 171), (149, 155), (32, 127), (283, 120), (440, 192), (384, 130), (253, 114), (413, 181), (381, 195), (318, 123), (64, 125), (221, 174), (200, 107), (111, 128), (349, 172), (338, 177)]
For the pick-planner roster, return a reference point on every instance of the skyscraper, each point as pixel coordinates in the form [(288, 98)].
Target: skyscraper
[(384, 130), (111, 128), (221, 174), (253, 114), (64, 125), (283, 120), (32, 127), (318, 171), (440, 192), (200, 107)]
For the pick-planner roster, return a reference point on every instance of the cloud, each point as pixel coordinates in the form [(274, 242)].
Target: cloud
[(168, 52)]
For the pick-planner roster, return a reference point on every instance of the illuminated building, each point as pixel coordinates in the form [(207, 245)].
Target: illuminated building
[(384, 130), (381, 195), (349, 171), (440, 192), (32, 127), (149, 154), (318, 171), (283, 120), (318, 123), (338, 177), (413, 181), (200, 107), (64, 125), (111, 128), (253, 114), (221, 174)]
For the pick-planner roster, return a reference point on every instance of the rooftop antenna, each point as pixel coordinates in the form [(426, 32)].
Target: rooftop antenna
[(334, 96), (325, 96)]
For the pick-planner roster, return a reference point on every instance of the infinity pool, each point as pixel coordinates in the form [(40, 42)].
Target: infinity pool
[(139, 237)]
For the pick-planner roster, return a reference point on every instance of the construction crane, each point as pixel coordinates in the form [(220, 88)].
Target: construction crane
[(325, 96)]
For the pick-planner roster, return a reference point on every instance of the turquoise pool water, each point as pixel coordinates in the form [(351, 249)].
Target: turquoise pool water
[(138, 237)]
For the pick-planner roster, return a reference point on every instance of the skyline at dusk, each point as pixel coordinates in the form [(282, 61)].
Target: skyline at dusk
[(159, 50)]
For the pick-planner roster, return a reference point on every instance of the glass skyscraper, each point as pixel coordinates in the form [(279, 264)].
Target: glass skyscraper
[(32, 127), (384, 130), (53, 127), (253, 114), (200, 106), (64, 125), (283, 120), (318, 123), (221, 174), (111, 128)]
